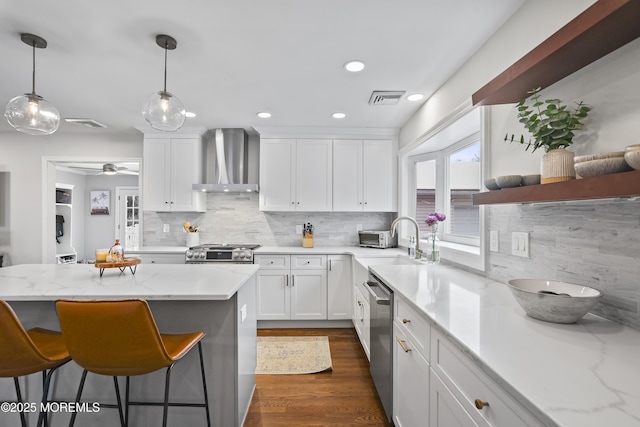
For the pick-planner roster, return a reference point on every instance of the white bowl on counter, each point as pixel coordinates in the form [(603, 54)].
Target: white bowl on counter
[(553, 301)]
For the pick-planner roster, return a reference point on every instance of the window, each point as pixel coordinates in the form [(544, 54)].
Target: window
[(443, 172)]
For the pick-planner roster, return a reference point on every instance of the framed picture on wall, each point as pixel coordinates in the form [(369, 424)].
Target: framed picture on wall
[(100, 202)]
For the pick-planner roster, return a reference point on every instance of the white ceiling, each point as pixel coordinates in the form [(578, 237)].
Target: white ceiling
[(238, 57)]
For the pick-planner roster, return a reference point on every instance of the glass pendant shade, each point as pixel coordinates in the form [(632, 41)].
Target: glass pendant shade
[(32, 114), (164, 111)]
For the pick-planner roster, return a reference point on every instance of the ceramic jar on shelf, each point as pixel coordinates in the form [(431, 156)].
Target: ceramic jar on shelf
[(557, 166)]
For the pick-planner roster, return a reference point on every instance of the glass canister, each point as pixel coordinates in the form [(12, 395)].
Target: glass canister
[(116, 253)]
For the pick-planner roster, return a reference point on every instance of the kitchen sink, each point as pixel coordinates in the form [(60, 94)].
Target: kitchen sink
[(396, 260)]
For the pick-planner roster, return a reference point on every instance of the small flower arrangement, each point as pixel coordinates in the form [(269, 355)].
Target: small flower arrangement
[(435, 218)]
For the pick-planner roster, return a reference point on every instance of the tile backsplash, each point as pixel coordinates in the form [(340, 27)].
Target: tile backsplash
[(596, 244), (237, 218)]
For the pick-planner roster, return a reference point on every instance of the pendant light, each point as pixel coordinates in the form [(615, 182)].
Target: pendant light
[(163, 110), (30, 113)]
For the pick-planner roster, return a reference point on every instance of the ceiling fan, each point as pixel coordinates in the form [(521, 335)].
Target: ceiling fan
[(95, 168), (112, 169)]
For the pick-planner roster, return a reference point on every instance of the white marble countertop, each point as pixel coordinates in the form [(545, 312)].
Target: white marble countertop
[(582, 374), (331, 250), (157, 250), (44, 282)]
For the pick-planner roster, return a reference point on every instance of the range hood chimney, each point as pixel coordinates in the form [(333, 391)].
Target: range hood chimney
[(227, 162)]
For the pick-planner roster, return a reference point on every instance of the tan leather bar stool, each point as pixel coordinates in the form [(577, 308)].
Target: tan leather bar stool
[(121, 338), (27, 352)]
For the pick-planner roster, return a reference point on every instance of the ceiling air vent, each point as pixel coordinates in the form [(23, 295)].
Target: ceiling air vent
[(386, 97), (85, 122)]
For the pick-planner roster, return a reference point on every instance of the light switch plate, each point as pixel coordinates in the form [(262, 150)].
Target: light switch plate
[(243, 313), (520, 244), (165, 228), (299, 229), (494, 241)]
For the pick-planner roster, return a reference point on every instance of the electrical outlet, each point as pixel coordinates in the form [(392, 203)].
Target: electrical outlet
[(165, 228), (299, 229), (494, 241), (358, 227), (520, 244)]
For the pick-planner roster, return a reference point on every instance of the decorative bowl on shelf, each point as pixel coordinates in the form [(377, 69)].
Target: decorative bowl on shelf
[(634, 147), (490, 184), (599, 156), (553, 301), (530, 179), (633, 158), (603, 166), (508, 181)]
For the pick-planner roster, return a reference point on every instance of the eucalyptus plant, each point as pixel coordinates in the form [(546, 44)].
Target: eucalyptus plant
[(550, 123)]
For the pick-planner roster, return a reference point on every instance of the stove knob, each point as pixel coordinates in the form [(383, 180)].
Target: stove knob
[(189, 254), (242, 255), (200, 255)]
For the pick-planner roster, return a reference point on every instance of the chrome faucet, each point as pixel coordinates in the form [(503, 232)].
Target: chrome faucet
[(408, 218)]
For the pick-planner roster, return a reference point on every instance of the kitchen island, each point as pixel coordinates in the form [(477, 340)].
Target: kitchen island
[(216, 299)]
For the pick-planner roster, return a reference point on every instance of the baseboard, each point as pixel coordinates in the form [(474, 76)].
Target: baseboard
[(274, 324)]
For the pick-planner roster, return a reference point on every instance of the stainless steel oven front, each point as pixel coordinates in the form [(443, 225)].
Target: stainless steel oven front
[(230, 253)]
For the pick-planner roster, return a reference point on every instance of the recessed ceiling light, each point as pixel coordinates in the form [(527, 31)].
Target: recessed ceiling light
[(264, 115), (190, 114), (354, 66), (338, 115), (415, 97)]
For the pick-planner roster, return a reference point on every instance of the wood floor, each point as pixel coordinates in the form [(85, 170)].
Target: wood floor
[(345, 396)]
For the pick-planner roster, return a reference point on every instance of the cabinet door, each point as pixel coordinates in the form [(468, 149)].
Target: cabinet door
[(358, 315), (444, 408), (366, 326), (314, 176), (347, 175), (411, 383), (339, 287), (308, 294), (186, 170), (379, 175), (277, 174), (274, 295), (156, 183)]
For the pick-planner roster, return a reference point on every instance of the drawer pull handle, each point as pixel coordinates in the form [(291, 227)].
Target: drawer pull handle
[(480, 404), (404, 346), (405, 321)]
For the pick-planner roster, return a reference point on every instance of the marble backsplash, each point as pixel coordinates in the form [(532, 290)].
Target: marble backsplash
[(596, 244), (237, 218)]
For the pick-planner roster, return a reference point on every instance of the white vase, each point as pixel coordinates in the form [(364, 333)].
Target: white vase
[(557, 166)]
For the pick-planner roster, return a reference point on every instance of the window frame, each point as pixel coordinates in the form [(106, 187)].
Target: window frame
[(459, 253)]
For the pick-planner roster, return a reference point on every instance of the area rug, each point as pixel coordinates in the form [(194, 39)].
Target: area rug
[(293, 355)]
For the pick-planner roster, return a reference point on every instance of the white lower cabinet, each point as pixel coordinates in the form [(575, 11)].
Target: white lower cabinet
[(153, 258), (361, 318), (480, 400), (410, 382), (291, 287), (339, 277), (444, 408)]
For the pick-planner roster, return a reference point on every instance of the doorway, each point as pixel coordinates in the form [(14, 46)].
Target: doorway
[(128, 218)]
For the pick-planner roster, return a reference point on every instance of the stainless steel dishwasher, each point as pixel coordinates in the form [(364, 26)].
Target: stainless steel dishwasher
[(381, 333)]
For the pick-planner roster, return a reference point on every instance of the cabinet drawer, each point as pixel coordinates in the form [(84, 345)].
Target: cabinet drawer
[(309, 261), (468, 384), (272, 261), (414, 325)]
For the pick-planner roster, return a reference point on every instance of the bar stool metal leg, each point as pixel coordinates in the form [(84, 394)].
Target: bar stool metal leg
[(78, 396), (19, 396), (204, 385), (126, 404), (45, 397), (115, 383), (166, 395)]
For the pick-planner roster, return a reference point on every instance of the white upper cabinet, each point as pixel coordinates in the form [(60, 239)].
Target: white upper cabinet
[(364, 175), (295, 175), (170, 168)]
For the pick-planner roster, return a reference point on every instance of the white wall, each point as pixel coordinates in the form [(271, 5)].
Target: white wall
[(529, 26), (22, 156)]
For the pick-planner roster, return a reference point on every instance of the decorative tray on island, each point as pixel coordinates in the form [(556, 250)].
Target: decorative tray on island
[(132, 263)]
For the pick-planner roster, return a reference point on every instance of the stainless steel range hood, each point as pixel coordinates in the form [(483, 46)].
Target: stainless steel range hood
[(227, 159)]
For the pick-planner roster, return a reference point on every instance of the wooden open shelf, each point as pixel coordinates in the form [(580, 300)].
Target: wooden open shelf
[(596, 32), (625, 184)]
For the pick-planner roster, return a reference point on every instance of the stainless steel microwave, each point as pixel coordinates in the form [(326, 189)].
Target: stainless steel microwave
[(377, 239)]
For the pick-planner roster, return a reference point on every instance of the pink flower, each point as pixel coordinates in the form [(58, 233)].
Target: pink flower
[(435, 218)]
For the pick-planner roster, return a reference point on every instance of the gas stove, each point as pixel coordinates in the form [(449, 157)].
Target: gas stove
[(236, 253)]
